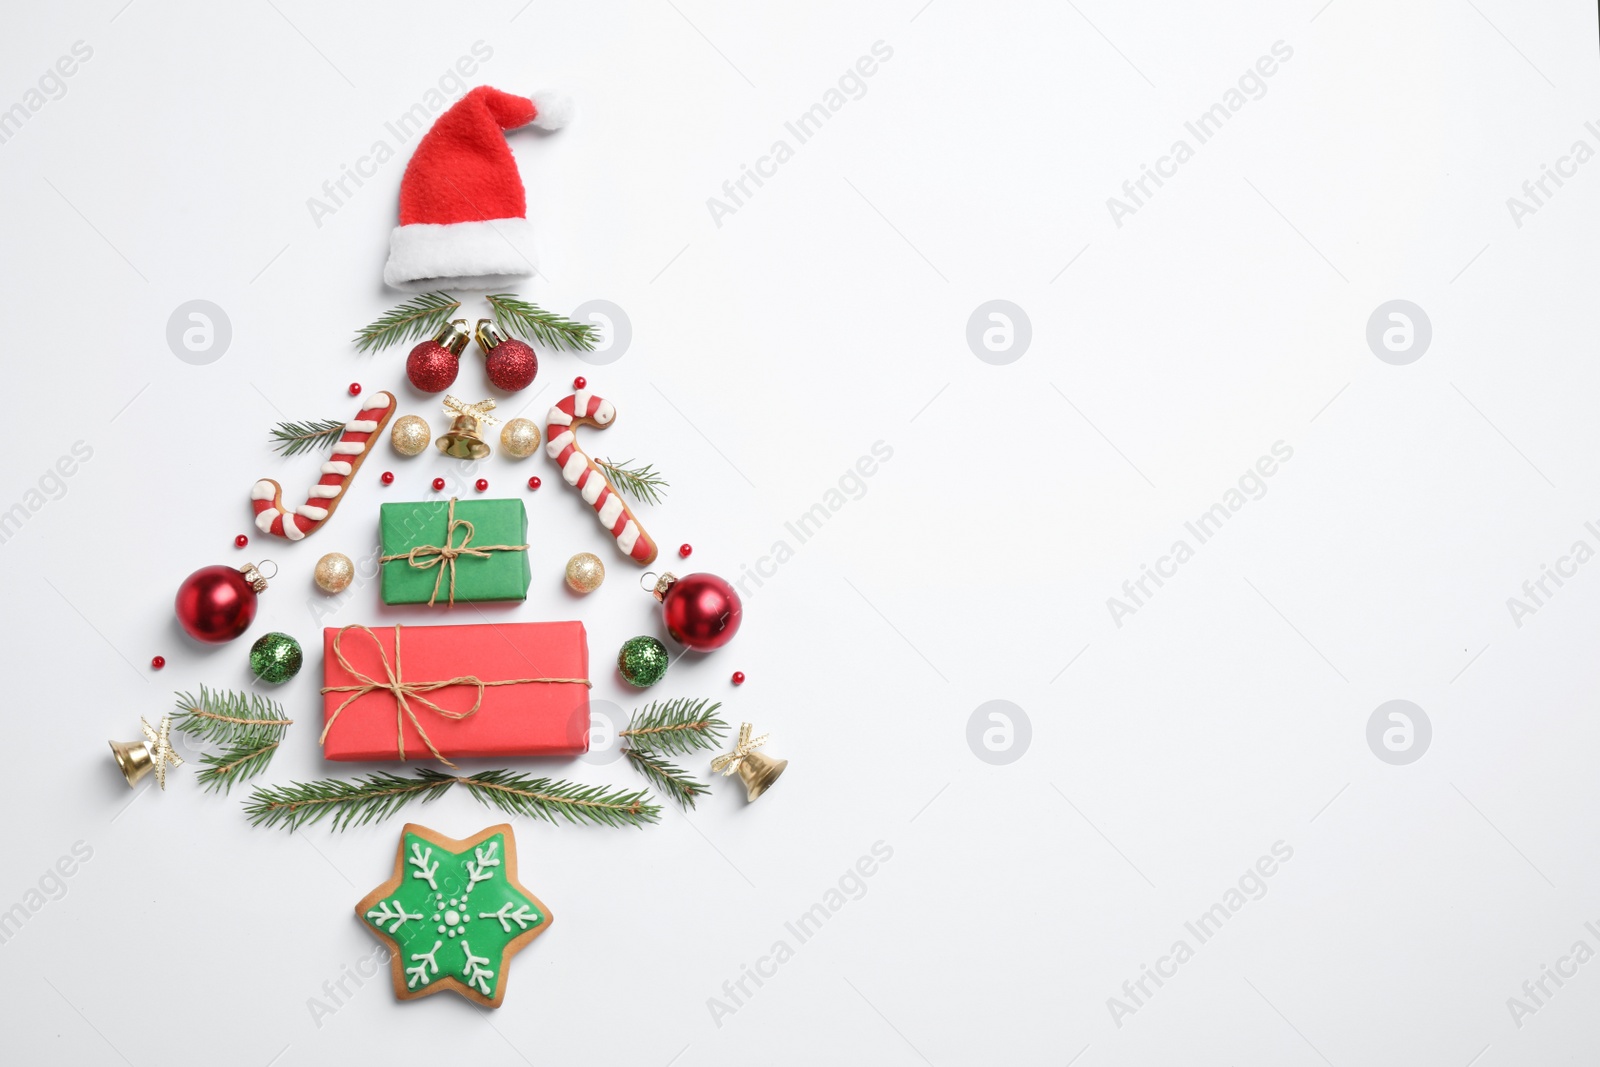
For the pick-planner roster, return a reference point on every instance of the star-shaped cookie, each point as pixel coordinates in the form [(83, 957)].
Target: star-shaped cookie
[(454, 914)]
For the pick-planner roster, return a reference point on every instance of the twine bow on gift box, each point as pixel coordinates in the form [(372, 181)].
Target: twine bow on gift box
[(405, 692), (444, 556)]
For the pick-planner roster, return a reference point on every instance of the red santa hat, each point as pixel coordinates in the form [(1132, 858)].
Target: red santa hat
[(463, 213)]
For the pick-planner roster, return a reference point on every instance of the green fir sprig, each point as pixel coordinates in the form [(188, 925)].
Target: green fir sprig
[(292, 438), (419, 317), (375, 797), (671, 779), (677, 727), (532, 323), (642, 482), (248, 726)]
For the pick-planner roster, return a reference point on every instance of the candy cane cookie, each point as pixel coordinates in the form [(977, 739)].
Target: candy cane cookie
[(348, 453), (583, 408)]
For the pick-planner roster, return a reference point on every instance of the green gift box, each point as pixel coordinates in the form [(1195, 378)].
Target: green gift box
[(438, 551)]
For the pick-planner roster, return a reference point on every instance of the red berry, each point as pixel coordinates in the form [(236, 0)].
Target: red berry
[(580, 383), (684, 550), (240, 541), (738, 677), (355, 388), (481, 484), (157, 662), (534, 483), (438, 484), (388, 478)]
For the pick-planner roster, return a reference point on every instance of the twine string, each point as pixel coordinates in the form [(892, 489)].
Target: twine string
[(443, 557)]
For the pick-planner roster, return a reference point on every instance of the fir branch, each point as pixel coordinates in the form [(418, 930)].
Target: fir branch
[(669, 778), (375, 797), (417, 318), (245, 759), (643, 482), (292, 438), (220, 716), (677, 727), (532, 323)]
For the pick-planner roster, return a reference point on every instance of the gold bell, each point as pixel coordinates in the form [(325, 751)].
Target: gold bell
[(758, 772), (135, 759), (463, 440), (756, 769)]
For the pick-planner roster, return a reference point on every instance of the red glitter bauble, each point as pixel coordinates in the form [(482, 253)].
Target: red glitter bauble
[(215, 604), (438, 484), (511, 365), (702, 611), (432, 367), (157, 662), (534, 482), (481, 484), (240, 541)]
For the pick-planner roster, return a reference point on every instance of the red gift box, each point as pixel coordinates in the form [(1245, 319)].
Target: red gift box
[(414, 692)]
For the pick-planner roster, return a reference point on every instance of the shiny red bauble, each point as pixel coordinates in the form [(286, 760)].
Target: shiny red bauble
[(684, 550), (157, 662), (580, 383), (431, 366), (511, 365), (534, 482), (738, 677), (240, 541), (481, 484), (215, 604), (355, 388), (438, 484), (387, 478), (701, 611)]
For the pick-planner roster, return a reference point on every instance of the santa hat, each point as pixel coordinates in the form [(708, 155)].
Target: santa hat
[(463, 214)]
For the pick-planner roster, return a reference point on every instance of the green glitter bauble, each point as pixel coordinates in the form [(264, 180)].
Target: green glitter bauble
[(275, 658), (642, 661)]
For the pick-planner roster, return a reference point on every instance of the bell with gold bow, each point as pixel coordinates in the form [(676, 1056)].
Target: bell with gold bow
[(756, 769)]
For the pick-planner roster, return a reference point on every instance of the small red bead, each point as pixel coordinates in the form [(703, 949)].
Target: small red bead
[(157, 662), (534, 482), (388, 478), (240, 541), (738, 677), (684, 550), (355, 388), (438, 484), (481, 484), (580, 383)]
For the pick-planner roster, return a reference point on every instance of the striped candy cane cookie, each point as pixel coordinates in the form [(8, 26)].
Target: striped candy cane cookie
[(348, 453), (583, 408)]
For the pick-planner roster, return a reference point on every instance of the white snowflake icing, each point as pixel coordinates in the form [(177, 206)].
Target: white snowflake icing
[(419, 973), (391, 912), (419, 859), (524, 916), (478, 975)]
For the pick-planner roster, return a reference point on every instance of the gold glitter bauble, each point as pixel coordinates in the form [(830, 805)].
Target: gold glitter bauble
[(585, 572), (520, 438), (410, 435), (334, 573)]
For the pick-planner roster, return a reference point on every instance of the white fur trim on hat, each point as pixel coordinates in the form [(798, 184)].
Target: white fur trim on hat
[(460, 255), (553, 109)]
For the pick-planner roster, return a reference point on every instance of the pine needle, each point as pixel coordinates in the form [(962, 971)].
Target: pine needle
[(221, 716), (292, 438), (677, 727), (643, 482), (417, 318), (245, 759), (532, 323), (375, 797), (669, 778)]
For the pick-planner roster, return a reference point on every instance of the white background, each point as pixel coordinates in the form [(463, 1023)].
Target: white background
[(827, 313)]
